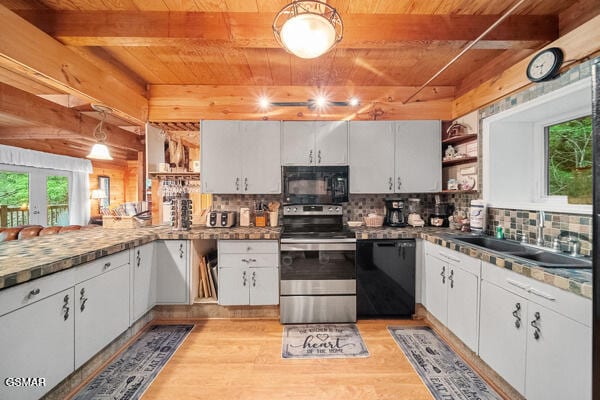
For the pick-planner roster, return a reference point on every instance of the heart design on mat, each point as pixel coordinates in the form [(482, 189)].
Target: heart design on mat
[(322, 336)]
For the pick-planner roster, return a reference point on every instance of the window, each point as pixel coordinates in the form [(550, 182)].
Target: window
[(536, 155), (569, 160), (14, 199)]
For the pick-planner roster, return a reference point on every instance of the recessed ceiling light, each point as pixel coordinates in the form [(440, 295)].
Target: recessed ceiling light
[(264, 102), (320, 101), (354, 101)]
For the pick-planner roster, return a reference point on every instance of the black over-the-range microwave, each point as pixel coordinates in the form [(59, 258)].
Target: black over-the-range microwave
[(315, 185)]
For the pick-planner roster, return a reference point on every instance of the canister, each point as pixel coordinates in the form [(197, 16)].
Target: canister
[(244, 217), (478, 215)]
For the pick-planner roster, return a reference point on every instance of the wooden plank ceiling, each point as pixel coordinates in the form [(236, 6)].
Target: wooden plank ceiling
[(212, 59)]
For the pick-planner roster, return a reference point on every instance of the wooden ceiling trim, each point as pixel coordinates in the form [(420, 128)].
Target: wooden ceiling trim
[(247, 29), (576, 14), (181, 103), (36, 133), (577, 45), (32, 108), (26, 49)]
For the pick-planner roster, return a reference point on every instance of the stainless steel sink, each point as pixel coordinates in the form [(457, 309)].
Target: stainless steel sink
[(527, 253)]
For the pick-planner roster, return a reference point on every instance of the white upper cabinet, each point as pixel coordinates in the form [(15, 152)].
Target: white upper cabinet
[(371, 156), (395, 157), (315, 143), (241, 157), (418, 157)]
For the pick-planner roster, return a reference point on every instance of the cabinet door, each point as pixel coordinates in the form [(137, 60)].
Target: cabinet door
[(172, 272), (143, 293), (101, 312), (502, 331), (264, 286), (463, 301), (37, 341), (418, 157), (559, 360), (234, 286), (221, 157), (331, 143), (261, 169), (371, 157), (436, 275), (298, 143)]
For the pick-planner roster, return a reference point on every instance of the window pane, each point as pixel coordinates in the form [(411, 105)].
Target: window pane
[(57, 194), (569, 147), (14, 199)]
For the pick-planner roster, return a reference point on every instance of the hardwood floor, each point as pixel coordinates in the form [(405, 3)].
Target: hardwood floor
[(241, 359)]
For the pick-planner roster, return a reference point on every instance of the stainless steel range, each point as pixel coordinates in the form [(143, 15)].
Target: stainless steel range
[(318, 269)]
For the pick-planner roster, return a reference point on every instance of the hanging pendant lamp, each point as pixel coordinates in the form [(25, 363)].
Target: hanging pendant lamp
[(100, 150)]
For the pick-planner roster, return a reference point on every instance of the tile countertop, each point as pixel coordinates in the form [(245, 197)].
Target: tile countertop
[(21, 261)]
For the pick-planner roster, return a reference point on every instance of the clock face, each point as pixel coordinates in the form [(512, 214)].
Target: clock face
[(544, 65)]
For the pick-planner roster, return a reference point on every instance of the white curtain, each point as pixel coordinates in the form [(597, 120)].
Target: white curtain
[(79, 203)]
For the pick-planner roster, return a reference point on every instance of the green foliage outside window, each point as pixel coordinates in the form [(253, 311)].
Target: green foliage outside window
[(14, 189), (569, 147)]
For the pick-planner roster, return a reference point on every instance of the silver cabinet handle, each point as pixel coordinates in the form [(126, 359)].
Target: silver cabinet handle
[(516, 313), (237, 184), (399, 183), (390, 183), (254, 279), (66, 307), (246, 184), (138, 259), (244, 278), (451, 279), (518, 284), (319, 157), (534, 324), (181, 250), (33, 292), (443, 274), (82, 299), (541, 294), (310, 157)]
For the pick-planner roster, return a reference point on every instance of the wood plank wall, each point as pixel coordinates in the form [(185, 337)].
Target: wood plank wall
[(123, 183)]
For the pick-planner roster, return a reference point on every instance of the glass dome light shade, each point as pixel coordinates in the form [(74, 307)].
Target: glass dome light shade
[(308, 35)]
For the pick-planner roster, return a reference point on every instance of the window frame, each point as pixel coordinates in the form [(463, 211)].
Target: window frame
[(575, 101)]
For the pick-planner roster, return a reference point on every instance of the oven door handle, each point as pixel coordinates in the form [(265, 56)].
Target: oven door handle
[(319, 246)]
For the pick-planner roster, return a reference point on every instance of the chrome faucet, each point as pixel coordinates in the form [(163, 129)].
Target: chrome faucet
[(540, 228), (574, 245)]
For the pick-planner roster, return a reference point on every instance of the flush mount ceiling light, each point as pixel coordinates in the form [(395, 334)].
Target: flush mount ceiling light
[(308, 28), (99, 150)]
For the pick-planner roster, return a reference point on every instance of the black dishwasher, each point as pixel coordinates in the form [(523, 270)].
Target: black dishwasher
[(385, 278)]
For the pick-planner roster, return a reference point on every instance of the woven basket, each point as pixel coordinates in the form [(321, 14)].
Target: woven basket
[(373, 221)]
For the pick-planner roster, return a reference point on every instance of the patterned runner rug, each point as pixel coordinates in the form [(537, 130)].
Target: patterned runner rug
[(444, 373), (127, 377), (323, 341)]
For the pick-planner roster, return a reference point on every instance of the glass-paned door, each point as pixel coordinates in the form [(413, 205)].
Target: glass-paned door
[(33, 196), (14, 199)]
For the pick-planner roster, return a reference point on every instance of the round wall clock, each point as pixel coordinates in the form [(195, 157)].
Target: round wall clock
[(545, 65)]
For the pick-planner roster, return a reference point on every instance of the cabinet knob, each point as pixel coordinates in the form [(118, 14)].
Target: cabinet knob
[(237, 184), (244, 278), (106, 265), (254, 279), (33, 292)]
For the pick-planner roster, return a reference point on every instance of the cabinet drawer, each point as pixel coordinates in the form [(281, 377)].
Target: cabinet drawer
[(29, 292), (568, 304), (101, 265), (248, 246), (248, 260), (468, 263)]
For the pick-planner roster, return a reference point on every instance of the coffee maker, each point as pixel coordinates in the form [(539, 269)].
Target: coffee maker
[(394, 213), (441, 212)]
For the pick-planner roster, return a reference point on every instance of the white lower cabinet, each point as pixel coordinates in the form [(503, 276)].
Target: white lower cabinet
[(172, 271), (536, 336), (248, 272), (143, 280), (101, 312), (452, 291), (37, 341)]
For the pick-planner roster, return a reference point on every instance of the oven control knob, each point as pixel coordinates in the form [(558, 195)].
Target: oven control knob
[(338, 208), (295, 209), (330, 208)]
